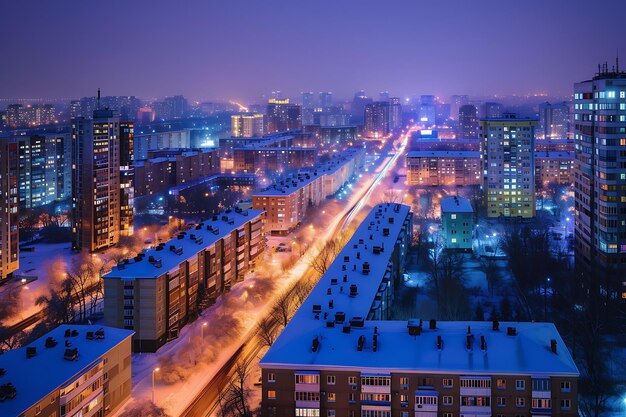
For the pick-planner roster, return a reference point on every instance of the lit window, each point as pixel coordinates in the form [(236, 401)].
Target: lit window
[(271, 395)]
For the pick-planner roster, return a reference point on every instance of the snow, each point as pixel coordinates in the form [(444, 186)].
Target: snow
[(456, 205), (20, 370)]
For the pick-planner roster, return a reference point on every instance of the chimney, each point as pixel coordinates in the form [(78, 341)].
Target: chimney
[(553, 345), (495, 325), (315, 345), (483, 343), (360, 343), (439, 342), (433, 324), (468, 341)]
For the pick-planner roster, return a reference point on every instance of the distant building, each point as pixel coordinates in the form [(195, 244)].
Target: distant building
[(491, 110), (468, 122), (126, 106), (443, 168), (359, 102), (81, 370), (377, 119), (282, 116), (457, 223), (333, 134), (308, 100), (9, 235), (326, 99), (509, 166), (157, 293), (554, 167), (101, 185), (169, 108), (30, 115), (145, 142), (383, 96), (246, 126), (395, 113), (554, 145), (456, 102), (427, 112), (554, 120)]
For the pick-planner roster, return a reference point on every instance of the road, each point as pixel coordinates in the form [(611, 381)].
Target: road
[(206, 403)]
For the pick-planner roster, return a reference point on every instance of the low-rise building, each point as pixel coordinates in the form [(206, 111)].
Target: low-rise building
[(341, 355), (156, 293), (457, 221), (553, 167), (443, 168), (74, 370), (287, 201)]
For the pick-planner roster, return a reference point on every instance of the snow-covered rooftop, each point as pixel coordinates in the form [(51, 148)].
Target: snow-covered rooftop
[(528, 352), (443, 154), (554, 155), (47, 370), (456, 205), (184, 246)]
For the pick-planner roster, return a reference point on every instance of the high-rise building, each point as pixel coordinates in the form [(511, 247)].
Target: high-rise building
[(9, 237), (282, 116), (101, 185), (19, 115), (509, 166), (456, 102), (44, 169), (359, 102), (491, 110), (599, 176), (169, 108), (246, 125), (427, 110), (377, 119), (326, 99), (553, 120), (308, 100), (468, 122), (383, 96), (395, 113)]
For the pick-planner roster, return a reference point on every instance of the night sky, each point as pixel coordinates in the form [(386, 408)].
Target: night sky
[(243, 49)]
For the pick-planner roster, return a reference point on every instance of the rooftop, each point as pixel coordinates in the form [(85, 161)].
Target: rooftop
[(47, 370), (456, 205), (443, 154), (557, 155), (157, 261)]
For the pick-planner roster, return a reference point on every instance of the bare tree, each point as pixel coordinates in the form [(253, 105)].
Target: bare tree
[(392, 196), (10, 339), (324, 257), (489, 266), (267, 331), (282, 308), (234, 398)]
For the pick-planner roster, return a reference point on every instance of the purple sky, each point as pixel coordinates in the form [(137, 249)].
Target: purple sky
[(241, 49)]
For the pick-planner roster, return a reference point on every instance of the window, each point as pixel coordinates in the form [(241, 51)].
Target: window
[(501, 384), (351, 397), (271, 377), (501, 401), (307, 379), (307, 412), (475, 383), (330, 379), (520, 402), (404, 382), (544, 403), (566, 404), (541, 385), (447, 400), (520, 384), (332, 397), (425, 400), (447, 414), (352, 380), (307, 396), (404, 400), (383, 381), (475, 401), (37, 409), (566, 386), (271, 395), (331, 413), (453, 216)]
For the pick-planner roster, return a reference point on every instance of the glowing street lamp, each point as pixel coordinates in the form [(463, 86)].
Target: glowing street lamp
[(154, 371), (202, 329)]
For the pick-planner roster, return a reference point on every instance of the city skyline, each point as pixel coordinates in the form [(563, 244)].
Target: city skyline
[(442, 47)]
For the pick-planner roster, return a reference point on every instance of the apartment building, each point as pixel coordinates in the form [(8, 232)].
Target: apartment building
[(9, 235), (553, 167), (287, 201), (509, 166), (156, 293), (443, 168), (72, 371), (457, 223), (340, 355)]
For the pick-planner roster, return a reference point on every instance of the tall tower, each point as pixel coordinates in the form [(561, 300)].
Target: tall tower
[(9, 237), (508, 147), (281, 116), (468, 122), (600, 177), (102, 180), (377, 119)]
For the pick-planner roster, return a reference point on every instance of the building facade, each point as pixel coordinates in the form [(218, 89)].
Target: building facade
[(508, 147), (553, 120), (9, 235), (443, 168), (157, 293), (101, 185), (81, 371), (553, 167), (30, 115), (377, 119), (468, 122), (599, 176), (247, 125), (281, 116), (457, 223), (395, 113)]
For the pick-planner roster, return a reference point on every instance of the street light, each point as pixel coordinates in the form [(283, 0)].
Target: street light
[(202, 329), (154, 371), (545, 299)]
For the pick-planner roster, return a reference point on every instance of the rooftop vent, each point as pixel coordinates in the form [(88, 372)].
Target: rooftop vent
[(7, 391), (415, 327), (99, 334), (391, 219), (315, 345), (433, 324), (331, 304), (354, 290), (340, 317), (90, 336), (346, 329), (375, 343), (360, 343), (495, 325), (439, 342), (317, 308), (366, 268), (357, 322), (31, 351), (330, 323), (511, 331), (333, 281), (71, 354), (346, 258), (553, 345), (385, 231), (483, 343), (469, 340), (50, 342)]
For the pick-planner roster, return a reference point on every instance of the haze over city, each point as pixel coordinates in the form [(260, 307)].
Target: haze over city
[(243, 50), (313, 209)]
